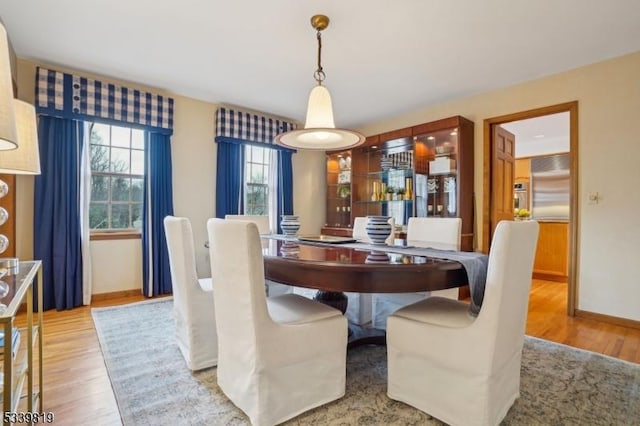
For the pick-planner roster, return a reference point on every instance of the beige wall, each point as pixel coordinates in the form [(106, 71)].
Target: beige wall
[(609, 102), (117, 264), (609, 148)]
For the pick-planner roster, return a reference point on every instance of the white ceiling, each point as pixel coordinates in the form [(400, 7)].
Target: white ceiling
[(381, 58), (548, 134)]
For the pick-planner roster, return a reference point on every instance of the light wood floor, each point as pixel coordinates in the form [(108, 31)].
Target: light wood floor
[(77, 388)]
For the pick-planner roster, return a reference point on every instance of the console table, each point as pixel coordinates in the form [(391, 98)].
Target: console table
[(17, 286)]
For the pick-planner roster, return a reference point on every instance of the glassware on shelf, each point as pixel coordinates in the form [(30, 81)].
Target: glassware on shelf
[(408, 188), (450, 184), (432, 185), (375, 190), (386, 162), (342, 163)]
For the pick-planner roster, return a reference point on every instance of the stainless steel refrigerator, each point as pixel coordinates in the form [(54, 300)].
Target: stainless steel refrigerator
[(550, 187)]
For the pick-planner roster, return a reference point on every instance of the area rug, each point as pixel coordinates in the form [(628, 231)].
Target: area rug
[(559, 386)]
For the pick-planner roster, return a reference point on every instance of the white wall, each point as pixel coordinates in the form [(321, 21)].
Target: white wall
[(309, 190), (193, 154), (608, 94), (115, 265)]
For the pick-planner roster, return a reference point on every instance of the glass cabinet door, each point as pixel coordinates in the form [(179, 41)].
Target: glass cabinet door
[(383, 182), (424, 170), (339, 189), (437, 173)]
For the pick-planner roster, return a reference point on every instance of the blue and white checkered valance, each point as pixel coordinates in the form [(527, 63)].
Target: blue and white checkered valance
[(72, 96), (244, 127)]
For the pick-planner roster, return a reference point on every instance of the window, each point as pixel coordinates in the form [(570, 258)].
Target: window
[(256, 188), (117, 173)]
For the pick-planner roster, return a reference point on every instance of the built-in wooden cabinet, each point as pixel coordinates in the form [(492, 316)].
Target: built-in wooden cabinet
[(522, 169), (424, 171), (552, 253), (522, 189), (338, 214), (444, 172)]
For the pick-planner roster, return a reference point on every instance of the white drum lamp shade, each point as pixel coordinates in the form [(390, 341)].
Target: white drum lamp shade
[(8, 132), (25, 160)]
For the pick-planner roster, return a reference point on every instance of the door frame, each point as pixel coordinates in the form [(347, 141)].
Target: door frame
[(572, 108)]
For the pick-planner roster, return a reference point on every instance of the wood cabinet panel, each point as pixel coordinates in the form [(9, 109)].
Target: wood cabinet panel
[(396, 134), (336, 232), (552, 253), (523, 169)]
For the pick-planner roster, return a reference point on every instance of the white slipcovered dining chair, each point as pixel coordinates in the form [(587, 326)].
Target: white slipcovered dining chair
[(434, 232), (278, 356), (457, 368), (262, 222), (192, 298)]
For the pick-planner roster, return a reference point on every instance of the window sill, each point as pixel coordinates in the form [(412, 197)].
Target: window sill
[(123, 235)]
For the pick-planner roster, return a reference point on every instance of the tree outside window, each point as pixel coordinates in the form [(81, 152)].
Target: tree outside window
[(117, 176), (256, 188)]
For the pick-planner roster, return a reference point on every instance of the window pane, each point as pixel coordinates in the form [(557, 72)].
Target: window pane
[(99, 158), (137, 139), (259, 155), (136, 190), (120, 136), (256, 199), (256, 194), (120, 216), (100, 134), (98, 216), (137, 162), (99, 188), (256, 154), (257, 175), (120, 189), (136, 215), (120, 160)]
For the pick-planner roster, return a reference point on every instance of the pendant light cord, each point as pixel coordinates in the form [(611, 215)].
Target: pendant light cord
[(319, 74)]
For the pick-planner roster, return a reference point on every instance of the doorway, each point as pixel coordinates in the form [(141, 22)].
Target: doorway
[(493, 157)]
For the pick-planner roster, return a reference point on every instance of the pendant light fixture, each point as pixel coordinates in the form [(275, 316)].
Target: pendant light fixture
[(320, 131)]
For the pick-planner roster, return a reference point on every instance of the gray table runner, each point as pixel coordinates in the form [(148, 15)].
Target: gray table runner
[(475, 264)]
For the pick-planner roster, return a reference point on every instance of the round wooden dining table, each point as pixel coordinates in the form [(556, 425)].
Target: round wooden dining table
[(334, 269)]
